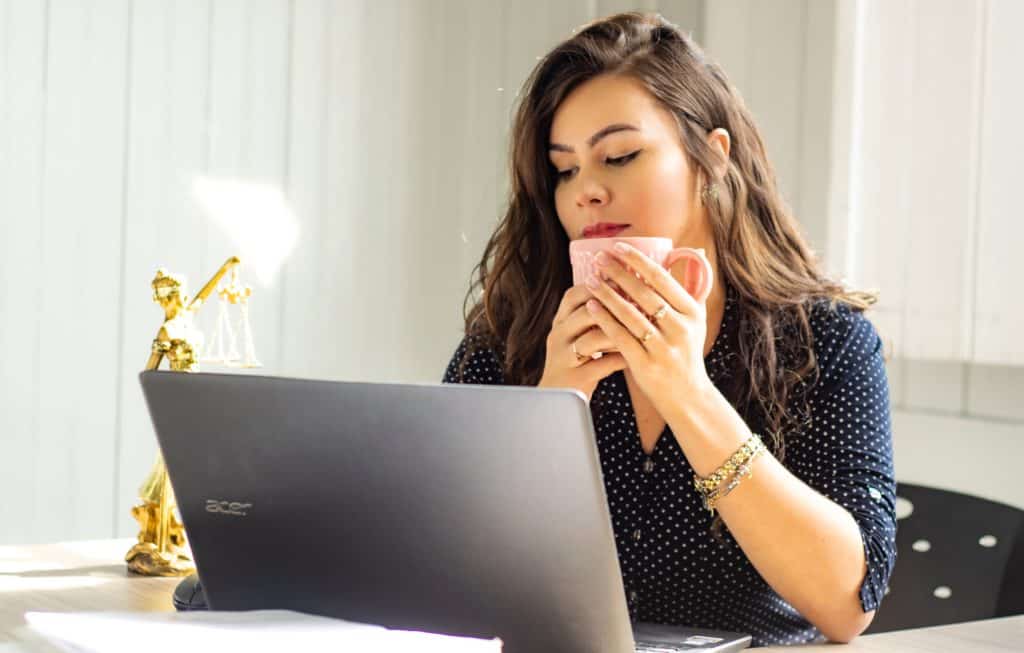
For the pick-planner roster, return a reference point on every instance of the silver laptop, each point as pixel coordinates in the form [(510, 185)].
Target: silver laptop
[(459, 509)]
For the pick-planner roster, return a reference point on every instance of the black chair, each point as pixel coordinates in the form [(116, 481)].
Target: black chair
[(959, 558)]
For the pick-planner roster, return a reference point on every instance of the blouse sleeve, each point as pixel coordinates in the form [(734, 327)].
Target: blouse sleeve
[(846, 451), (474, 362)]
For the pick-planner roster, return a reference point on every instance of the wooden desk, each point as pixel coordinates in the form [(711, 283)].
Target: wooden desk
[(68, 577), (91, 576), (1006, 634)]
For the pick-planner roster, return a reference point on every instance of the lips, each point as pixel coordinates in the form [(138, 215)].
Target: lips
[(604, 229)]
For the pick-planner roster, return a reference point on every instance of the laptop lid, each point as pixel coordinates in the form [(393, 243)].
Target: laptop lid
[(460, 509)]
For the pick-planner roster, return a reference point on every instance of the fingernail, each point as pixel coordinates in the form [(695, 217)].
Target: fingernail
[(601, 258), (621, 247)]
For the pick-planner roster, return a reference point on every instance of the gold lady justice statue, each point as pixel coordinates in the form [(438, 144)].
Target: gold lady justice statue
[(162, 549)]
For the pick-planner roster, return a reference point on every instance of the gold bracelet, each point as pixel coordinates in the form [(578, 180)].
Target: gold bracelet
[(711, 500), (709, 484)]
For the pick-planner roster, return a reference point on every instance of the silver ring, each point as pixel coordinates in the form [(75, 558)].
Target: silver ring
[(660, 313), (647, 336)]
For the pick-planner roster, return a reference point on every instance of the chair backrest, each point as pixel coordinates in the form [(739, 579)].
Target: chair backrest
[(959, 558)]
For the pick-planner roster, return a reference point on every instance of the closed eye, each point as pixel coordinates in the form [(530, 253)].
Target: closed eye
[(617, 161), (623, 160)]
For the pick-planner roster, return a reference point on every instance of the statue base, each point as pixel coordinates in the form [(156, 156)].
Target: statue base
[(144, 559)]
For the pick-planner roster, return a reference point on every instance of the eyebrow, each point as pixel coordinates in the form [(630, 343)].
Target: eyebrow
[(610, 129)]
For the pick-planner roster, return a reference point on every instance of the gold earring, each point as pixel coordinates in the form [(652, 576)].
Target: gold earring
[(709, 193)]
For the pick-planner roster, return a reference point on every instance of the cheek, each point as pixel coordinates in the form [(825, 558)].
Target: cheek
[(662, 193)]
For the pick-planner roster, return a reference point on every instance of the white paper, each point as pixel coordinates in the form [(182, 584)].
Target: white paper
[(258, 630)]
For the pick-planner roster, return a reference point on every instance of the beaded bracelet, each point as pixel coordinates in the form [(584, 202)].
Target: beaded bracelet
[(709, 484), (710, 500)]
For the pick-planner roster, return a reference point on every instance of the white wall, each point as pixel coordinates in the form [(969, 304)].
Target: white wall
[(922, 206), (892, 128), (384, 123), (779, 55), (931, 212)]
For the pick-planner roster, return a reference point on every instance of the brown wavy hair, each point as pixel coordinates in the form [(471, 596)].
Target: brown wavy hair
[(762, 255)]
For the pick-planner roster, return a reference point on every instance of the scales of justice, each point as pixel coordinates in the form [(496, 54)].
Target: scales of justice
[(162, 548)]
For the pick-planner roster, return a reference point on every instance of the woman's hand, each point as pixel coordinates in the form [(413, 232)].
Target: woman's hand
[(581, 370), (659, 327)]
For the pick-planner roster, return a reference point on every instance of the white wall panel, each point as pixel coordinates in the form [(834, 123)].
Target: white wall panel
[(869, 244), (349, 68), (426, 220), (998, 315), (301, 291), (80, 271), (252, 117), (22, 151), (929, 217), (944, 131), (779, 54), (167, 148), (380, 315)]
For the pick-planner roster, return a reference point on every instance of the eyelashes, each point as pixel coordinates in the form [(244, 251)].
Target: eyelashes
[(616, 161)]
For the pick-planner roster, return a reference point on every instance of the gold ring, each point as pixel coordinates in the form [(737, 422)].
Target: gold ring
[(578, 355), (647, 336), (660, 313)]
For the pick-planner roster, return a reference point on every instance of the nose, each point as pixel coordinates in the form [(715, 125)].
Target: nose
[(591, 193)]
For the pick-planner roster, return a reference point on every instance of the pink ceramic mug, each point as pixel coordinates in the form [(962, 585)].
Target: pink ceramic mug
[(697, 279)]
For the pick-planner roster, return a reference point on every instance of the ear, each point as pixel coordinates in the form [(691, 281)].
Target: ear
[(720, 141)]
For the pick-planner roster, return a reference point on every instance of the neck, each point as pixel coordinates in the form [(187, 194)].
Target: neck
[(715, 310)]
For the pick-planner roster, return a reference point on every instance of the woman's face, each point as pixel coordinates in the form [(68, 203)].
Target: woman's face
[(620, 160)]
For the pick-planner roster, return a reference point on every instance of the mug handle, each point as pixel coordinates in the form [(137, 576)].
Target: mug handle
[(697, 277)]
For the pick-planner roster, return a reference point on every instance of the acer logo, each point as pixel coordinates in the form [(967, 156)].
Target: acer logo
[(227, 507)]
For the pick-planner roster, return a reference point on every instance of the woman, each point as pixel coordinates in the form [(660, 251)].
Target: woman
[(626, 128)]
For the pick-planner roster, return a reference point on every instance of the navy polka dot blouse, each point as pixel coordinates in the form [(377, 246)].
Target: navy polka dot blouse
[(673, 569)]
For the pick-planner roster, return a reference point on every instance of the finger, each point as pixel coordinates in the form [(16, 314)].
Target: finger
[(625, 342), (636, 289), (573, 299), (581, 347), (577, 324), (594, 343), (574, 355), (628, 315), (577, 353), (660, 279)]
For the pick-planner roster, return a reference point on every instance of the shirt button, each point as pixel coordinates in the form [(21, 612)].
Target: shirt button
[(636, 535), (648, 466)]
